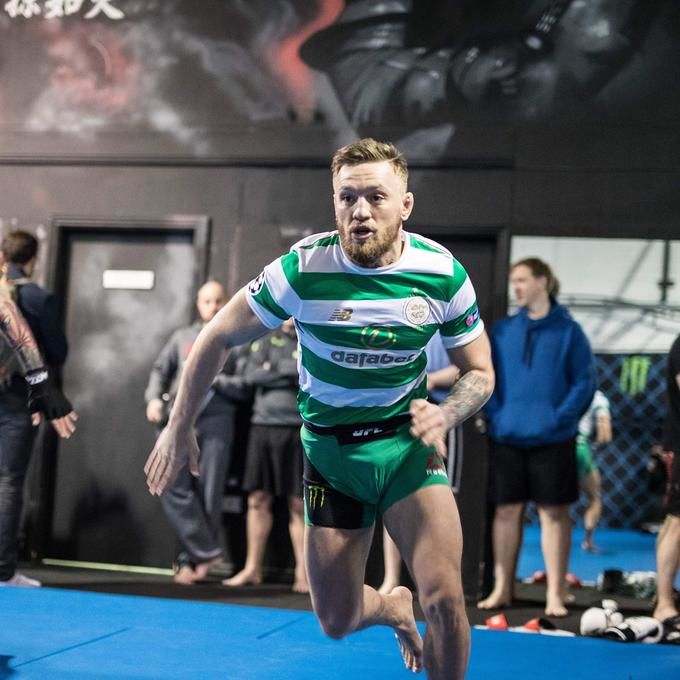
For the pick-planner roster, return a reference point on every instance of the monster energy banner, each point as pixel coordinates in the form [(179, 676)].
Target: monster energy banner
[(633, 374), (635, 386)]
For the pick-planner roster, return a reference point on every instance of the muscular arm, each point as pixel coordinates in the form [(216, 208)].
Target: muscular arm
[(475, 384), (469, 393), (17, 334), (235, 324), (442, 379)]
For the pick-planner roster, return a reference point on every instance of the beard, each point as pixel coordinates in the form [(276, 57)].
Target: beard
[(368, 253)]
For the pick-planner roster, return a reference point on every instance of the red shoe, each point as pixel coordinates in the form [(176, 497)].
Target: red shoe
[(497, 622), (573, 581), (538, 577)]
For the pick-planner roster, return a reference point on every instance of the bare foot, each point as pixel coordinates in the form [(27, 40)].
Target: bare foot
[(406, 631), (554, 606), (201, 570), (300, 586), (663, 613), (495, 601), (387, 587), (243, 578), (184, 576)]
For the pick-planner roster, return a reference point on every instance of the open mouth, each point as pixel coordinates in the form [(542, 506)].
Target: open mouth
[(360, 233)]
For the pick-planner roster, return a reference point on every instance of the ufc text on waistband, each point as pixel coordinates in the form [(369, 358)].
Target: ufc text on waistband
[(361, 432)]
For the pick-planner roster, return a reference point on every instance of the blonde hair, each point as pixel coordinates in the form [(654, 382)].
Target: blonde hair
[(369, 150)]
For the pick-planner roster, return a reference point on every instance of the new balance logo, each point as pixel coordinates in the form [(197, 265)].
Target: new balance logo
[(367, 431), (341, 314)]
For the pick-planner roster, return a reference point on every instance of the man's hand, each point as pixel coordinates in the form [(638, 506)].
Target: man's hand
[(172, 452), (154, 411), (428, 424), (64, 427), (44, 397)]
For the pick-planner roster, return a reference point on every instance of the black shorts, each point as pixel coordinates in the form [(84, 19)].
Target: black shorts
[(274, 460), (547, 475), (673, 496)]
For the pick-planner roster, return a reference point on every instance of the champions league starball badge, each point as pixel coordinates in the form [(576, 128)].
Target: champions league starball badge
[(255, 286), (417, 311)]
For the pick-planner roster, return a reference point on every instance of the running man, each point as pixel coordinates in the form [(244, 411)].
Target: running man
[(366, 299)]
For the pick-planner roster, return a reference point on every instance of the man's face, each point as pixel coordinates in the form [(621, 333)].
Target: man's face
[(371, 202), (527, 288), (210, 299)]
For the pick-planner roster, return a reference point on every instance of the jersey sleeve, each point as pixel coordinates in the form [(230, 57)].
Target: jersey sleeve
[(463, 322), (270, 294)]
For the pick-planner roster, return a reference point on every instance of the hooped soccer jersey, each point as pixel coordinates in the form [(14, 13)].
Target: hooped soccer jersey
[(362, 331)]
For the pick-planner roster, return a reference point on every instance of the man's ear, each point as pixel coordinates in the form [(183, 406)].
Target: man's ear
[(407, 205)]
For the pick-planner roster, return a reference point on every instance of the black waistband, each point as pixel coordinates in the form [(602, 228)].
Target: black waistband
[(361, 432)]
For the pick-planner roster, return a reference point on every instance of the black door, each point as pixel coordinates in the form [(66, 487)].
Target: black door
[(124, 289)]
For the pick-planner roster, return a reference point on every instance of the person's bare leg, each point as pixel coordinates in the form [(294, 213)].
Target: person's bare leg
[(336, 564), (555, 544), (507, 538), (667, 563), (591, 485), (392, 564), (426, 527), (259, 522), (296, 529)]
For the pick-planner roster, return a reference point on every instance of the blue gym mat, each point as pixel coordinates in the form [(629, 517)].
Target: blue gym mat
[(617, 549), (51, 634)]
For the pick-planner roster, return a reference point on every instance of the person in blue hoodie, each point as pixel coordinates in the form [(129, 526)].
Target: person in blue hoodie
[(544, 383)]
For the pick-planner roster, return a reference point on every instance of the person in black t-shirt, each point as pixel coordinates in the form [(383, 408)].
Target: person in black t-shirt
[(668, 542)]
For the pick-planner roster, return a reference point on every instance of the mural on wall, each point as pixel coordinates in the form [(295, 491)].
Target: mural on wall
[(178, 68), (192, 70), (416, 63)]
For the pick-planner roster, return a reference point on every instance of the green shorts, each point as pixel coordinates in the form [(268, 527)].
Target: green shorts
[(347, 485), (584, 457)]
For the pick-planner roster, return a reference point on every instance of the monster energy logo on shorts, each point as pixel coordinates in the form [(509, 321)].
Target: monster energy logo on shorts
[(634, 370), (315, 494)]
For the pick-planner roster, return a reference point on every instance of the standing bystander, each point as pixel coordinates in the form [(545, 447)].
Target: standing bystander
[(668, 541), (193, 505), (545, 381), (594, 429), (18, 255), (274, 456)]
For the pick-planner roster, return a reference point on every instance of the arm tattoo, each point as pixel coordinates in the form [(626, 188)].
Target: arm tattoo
[(16, 333), (470, 392)]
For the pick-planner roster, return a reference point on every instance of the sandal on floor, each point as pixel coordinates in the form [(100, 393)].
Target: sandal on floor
[(671, 628)]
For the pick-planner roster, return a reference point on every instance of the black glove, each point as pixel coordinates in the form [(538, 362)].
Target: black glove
[(45, 397)]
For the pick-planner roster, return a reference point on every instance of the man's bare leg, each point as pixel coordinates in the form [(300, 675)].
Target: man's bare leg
[(591, 485), (555, 544), (259, 522), (426, 527), (336, 564), (667, 563), (392, 564), (506, 536), (296, 529)]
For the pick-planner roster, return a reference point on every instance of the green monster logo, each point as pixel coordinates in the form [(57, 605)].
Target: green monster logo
[(377, 337), (633, 378), (316, 494)]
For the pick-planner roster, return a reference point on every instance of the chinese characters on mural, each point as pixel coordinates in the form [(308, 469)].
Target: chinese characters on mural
[(53, 9)]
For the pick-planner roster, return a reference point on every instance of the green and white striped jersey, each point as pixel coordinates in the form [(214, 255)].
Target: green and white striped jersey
[(362, 331)]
